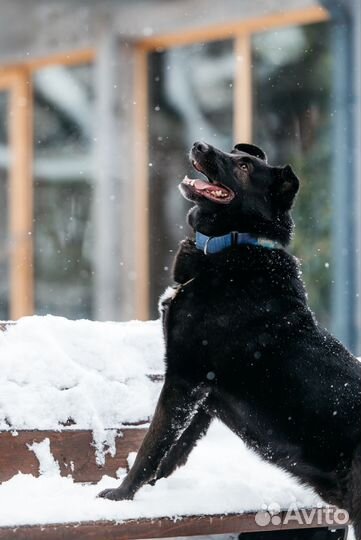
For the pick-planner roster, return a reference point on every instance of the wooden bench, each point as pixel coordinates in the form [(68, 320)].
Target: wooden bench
[(158, 528), (74, 452)]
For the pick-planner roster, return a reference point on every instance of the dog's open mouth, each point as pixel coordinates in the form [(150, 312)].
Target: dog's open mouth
[(211, 190)]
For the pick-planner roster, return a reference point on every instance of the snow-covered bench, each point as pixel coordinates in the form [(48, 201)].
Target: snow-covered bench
[(75, 402)]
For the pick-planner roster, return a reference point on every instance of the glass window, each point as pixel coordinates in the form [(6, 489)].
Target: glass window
[(63, 131), (292, 74), (191, 98), (4, 230)]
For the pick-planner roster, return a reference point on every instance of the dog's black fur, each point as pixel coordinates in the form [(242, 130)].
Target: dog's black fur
[(242, 344)]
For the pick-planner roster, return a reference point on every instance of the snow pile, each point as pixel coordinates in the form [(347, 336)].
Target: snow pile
[(56, 373), (221, 476)]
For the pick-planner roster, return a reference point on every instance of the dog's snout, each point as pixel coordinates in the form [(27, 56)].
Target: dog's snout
[(201, 146)]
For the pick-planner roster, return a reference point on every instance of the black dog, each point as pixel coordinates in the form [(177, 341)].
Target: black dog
[(243, 346)]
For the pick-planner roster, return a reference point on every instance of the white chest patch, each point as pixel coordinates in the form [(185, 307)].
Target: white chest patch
[(166, 297)]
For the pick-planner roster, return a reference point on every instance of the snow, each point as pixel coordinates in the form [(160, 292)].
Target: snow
[(52, 369), (221, 476), (94, 374), (47, 464)]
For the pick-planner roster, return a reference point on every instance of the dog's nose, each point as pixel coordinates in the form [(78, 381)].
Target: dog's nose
[(201, 146)]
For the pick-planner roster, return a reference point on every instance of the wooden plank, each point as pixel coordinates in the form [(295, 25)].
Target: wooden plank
[(141, 193), (21, 198), (229, 30), (148, 528), (66, 58), (72, 449), (243, 114)]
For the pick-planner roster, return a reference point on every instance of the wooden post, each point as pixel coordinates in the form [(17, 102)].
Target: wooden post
[(141, 198), (243, 90), (21, 197)]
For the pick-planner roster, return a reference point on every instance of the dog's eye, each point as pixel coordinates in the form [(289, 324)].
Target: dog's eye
[(243, 166)]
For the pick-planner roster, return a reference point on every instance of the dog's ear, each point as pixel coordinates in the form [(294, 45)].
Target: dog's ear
[(285, 187), (252, 150)]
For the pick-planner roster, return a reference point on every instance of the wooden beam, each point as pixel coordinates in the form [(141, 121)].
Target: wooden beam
[(21, 197), (72, 449), (141, 194), (7, 78), (66, 58), (153, 528), (230, 30), (243, 90)]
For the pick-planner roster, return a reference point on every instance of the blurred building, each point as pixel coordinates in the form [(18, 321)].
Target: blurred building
[(99, 104)]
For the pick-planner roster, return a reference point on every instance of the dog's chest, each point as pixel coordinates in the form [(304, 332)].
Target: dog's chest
[(206, 311), (166, 300), (220, 308), (169, 295)]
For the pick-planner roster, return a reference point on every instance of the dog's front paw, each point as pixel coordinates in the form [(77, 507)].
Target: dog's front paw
[(117, 494)]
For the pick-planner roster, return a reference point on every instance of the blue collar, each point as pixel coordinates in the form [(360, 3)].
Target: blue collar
[(215, 244)]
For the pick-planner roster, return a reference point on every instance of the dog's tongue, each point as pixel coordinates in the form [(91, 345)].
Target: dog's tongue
[(200, 184)]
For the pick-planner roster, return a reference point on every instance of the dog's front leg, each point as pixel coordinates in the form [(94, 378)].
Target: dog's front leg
[(177, 404), (179, 453)]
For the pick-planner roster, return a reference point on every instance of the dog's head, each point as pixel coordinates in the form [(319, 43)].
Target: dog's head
[(242, 193)]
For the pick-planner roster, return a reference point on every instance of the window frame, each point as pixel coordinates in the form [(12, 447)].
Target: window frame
[(17, 80), (241, 32)]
